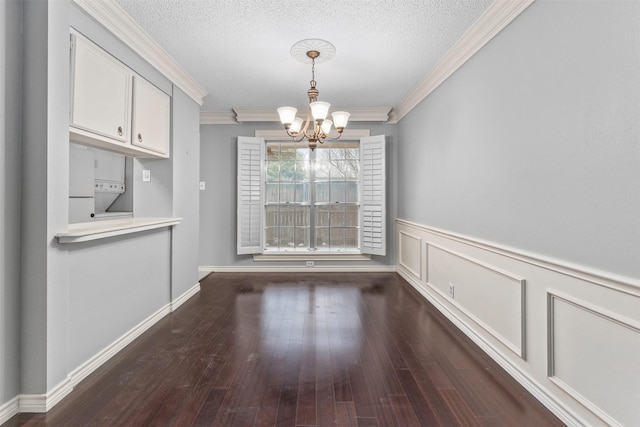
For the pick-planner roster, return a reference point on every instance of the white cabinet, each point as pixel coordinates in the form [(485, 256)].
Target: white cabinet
[(100, 89), (114, 108), (151, 116)]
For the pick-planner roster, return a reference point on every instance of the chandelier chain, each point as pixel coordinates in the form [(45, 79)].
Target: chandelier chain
[(313, 73)]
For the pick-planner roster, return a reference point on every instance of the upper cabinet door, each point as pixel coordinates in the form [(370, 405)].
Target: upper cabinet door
[(151, 117), (101, 92)]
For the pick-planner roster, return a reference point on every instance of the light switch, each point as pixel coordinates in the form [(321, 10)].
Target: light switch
[(146, 175), (202, 185)]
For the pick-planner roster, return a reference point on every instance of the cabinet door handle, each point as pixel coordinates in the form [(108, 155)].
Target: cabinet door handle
[(120, 130), (139, 137)]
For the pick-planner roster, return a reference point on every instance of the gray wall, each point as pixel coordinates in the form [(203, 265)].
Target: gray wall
[(533, 144), (45, 188), (186, 196), (62, 304), (10, 159), (114, 284), (218, 164)]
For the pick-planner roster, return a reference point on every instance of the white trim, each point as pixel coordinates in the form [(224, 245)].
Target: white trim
[(9, 409), (86, 231), (497, 16), (204, 270), (519, 349), (482, 264), (312, 256), (358, 114), (256, 115), (597, 277), (218, 118), (111, 350), (40, 403), (566, 415), (417, 274), (592, 309), (173, 306), (280, 134), (35, 403), (116, 20), (368, 114)]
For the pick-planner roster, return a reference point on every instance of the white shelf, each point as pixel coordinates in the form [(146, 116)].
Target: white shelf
[(86, 231)]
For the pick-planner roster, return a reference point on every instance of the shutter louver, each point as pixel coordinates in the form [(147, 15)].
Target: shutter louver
[(250, 156), (373, 222)]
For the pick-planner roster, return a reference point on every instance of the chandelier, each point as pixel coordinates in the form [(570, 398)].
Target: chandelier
[(316, 128)]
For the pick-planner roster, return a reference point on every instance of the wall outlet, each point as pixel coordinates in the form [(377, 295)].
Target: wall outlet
[(202, 185), (146, 175), (310, 263), (451, 290)]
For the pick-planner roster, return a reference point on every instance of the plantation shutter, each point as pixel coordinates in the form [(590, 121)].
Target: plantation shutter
[(250, 161), (373, 218)]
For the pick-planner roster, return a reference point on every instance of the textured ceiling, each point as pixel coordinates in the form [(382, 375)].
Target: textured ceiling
[(238, 50)]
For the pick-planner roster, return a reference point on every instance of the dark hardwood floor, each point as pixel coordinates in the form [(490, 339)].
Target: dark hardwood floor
[(359, 349)]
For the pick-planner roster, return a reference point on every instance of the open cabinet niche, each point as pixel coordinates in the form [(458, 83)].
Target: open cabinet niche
[(100, 184)]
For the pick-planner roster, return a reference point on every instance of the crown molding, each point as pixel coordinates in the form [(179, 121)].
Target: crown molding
[(115, 19), (497, 16), (218, 118), (281, 134), (358, 114), (369, 114), (256, 115)]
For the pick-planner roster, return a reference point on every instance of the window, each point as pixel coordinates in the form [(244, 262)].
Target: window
[(294, 200), (312, 197)]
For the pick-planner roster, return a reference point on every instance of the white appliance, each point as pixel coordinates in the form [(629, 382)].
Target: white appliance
[(96, 179), (81, 182), (109, 181)]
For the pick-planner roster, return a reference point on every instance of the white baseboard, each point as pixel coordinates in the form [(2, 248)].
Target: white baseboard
[(40, 403), (185, 297), (525, 380), (9, 409), (204, 270), (99, 359)]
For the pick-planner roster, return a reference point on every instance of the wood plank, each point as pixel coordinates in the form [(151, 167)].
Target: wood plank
[(280, 349)]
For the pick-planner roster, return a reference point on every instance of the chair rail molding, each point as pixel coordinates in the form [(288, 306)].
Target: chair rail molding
[(619, 283)]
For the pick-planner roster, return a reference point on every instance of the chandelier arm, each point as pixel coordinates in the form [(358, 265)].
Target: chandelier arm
[(327, 136), (301, 135), (333, 138), (306, 125)]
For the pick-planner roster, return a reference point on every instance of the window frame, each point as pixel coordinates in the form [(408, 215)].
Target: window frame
[(313, 203), (377, 143)]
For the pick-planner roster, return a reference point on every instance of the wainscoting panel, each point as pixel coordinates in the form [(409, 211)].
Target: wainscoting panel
[(589, 348), (569, 334), (491, 297), (410, 255)]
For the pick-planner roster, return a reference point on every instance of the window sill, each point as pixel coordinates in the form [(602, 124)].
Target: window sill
[(312, 256), (87, 231)]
